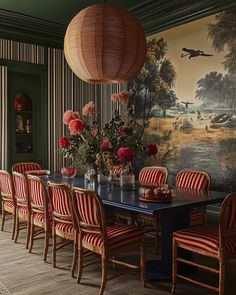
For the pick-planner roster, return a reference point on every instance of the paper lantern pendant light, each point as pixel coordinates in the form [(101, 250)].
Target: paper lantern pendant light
[(105, 43)]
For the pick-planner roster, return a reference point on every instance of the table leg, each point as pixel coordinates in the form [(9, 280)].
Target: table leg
[(161, 270)]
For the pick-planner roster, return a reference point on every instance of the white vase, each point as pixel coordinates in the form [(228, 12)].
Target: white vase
[(127, 181)]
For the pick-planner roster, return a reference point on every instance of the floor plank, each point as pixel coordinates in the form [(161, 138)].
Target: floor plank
[(22, 273)]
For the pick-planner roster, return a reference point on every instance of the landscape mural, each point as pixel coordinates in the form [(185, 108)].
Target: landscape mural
[(186, 95)]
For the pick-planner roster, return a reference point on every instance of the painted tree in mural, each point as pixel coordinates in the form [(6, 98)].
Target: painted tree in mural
[(223, 33), (152, 86), (216, 89)]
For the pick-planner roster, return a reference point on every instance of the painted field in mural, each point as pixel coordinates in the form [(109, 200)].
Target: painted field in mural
[(193, 111)]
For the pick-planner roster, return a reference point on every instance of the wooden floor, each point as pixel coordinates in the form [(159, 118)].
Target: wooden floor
[(22, 273)]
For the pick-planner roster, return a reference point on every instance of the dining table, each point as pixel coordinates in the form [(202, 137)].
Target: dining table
[(172, 213)]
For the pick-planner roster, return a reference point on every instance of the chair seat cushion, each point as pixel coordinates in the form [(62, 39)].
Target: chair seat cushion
[(22, 210), (65, 227), (117, 235), (204, 238), (8, 204), (40, 217)]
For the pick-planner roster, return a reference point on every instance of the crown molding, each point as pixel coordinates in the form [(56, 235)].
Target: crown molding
[(25, 28), (160, 15)]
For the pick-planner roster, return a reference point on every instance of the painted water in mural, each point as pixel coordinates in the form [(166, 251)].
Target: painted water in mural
[(187, 88)]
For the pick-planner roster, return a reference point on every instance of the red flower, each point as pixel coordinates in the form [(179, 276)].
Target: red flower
[(152, 149), (64, 142), (123, 130), (76, 126), (106, 144), (70, 115), (126, 154), (71, 172)]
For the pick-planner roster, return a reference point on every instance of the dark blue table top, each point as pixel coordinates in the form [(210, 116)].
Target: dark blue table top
[(116, 197)]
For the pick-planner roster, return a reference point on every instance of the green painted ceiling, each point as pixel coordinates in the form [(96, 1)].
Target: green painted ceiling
[(45, 21), (59, 11)]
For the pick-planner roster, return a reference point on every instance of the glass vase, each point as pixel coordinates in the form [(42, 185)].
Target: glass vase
[(127, 181)]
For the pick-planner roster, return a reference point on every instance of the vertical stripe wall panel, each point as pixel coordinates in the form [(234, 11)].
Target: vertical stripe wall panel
[(67, 91), (3, 118), (23, 52)]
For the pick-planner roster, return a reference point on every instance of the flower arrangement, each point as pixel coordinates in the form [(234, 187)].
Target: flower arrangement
[(118, 143)]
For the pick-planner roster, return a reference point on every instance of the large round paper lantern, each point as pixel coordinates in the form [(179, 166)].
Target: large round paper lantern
[(105, 43)]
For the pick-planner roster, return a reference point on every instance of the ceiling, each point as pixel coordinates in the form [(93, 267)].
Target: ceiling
[(59, 11), (45, 21)]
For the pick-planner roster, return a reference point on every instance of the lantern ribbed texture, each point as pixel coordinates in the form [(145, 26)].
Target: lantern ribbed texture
[(105, 43)]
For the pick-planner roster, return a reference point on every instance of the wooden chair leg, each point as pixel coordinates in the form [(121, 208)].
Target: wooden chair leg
[(75, 257), (17, 228), (142, 265), (174, 266), (80, 263), (104, 274), (28, 233), (3, 217), (221, 277), (31, 241), (46, 245), (54, 246), (13, 225)]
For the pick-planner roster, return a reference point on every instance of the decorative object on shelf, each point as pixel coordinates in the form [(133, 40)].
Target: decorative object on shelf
[(68, 172), (105, 43), (22, 102)]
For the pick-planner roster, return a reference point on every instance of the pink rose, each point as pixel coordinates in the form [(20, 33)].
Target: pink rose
[(70, 115), (76, 126), (64, 142), (89, 109), (106, 144), (152, 149), (126, 154), (70, 172)]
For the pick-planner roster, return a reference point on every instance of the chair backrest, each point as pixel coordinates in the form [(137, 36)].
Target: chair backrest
[(89, 212), (25, 166), (6, 185), (193, 179), (37, 194), (227, 223), (21, 189), (153, 176), (60, 196)]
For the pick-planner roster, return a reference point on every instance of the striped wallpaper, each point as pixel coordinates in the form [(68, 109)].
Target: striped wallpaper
[(24, 52), (3, 117), (65, 91)]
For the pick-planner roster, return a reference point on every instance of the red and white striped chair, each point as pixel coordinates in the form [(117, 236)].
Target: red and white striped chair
[(41, 215), (8, 199), (25, 166), (23, 209), (63, 224), (96, 236), (218, 242), (196, 180), (152, 176)]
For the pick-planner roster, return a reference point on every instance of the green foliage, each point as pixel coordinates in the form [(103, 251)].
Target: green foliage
[(223, 34)]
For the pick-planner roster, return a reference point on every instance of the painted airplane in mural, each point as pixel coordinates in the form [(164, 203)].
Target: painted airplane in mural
[(186, 103), (193, 53)]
